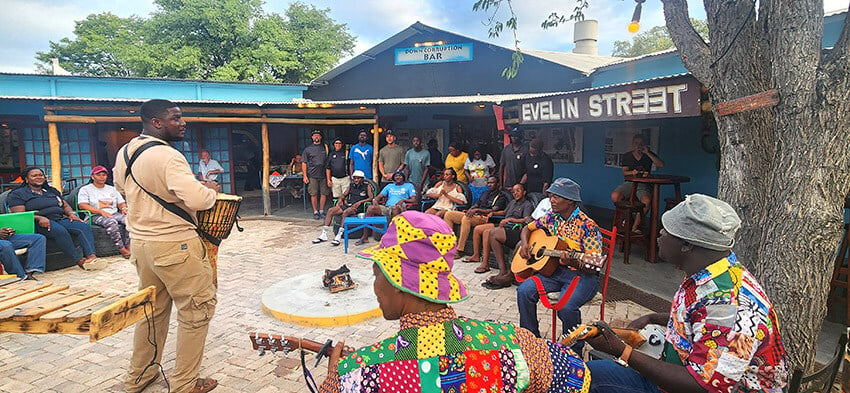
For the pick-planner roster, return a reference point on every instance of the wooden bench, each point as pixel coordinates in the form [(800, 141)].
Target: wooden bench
[(40, 307)]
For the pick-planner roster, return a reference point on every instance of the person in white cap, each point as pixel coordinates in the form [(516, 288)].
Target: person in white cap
[(722, 332), (350, 203)]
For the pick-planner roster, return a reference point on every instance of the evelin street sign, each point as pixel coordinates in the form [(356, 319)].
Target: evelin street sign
[(674, 97)]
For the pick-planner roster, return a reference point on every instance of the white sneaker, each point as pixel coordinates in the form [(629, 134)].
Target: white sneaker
[(335, 242)]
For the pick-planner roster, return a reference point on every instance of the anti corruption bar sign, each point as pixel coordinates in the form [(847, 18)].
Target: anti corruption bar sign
[(671, 97), (434, 54)]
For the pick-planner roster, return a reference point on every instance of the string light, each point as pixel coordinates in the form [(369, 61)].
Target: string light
[(635, 25)]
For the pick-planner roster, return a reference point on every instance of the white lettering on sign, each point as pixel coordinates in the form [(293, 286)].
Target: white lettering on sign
[(644, 101), (434, 54), (550, 110)]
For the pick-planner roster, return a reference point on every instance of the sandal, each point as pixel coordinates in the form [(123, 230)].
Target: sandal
[(360, 242), (469, 260), (203, 385), (493, 285), (482, 269)]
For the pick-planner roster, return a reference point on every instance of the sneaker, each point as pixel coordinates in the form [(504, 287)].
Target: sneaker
[(322, 214), (93, 264), (335, 242), (317, 216), (321, 238)]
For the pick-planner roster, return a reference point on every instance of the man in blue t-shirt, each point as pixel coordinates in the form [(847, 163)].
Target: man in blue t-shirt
[(390, 202), (360, 155)]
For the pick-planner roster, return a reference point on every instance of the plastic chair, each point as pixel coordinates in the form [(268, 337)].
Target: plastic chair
[(823, 379), (608, 241)]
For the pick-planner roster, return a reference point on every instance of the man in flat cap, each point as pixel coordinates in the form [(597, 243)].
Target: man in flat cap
[(722, 332), (435, 350)]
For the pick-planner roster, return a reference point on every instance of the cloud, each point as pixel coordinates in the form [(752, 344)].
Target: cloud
[(28, 26)]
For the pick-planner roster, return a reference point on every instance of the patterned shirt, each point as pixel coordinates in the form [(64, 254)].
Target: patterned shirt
[(541, 366), (577, 228), (723, 328)]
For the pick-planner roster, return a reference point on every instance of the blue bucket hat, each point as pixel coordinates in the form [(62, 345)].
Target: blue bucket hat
[(565, 188)]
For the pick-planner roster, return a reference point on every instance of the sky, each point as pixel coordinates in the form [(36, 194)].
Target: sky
[(28, 26)]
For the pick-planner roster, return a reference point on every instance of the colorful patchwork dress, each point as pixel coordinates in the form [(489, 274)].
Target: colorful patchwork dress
[(723, 328), (439, 352)]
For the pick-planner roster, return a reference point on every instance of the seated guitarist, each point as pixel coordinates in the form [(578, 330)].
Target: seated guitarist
[(571, 225), (722, 332), (435, 350)]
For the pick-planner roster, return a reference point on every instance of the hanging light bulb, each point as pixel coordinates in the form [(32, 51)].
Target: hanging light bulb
[(635, 25)]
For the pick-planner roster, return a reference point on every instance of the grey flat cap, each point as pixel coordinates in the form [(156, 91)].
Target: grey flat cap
[(703, 221)]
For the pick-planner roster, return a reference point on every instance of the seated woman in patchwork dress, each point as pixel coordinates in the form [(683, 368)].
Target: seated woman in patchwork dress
[(436, 350)]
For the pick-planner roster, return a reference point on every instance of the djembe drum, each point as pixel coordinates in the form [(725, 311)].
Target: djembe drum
[(216, 224)]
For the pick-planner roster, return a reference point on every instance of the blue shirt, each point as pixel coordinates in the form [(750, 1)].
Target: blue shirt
[(396, 193), (361, 156)]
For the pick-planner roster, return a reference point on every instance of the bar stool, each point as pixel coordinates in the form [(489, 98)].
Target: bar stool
[(670, 203), (624, 213)]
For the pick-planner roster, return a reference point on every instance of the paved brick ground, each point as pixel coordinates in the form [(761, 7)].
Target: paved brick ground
[(249, 262)]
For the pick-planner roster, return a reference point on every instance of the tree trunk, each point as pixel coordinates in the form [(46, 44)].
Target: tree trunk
[(783, 168)]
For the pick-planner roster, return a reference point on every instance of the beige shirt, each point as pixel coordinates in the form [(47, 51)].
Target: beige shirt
[(163, 171)]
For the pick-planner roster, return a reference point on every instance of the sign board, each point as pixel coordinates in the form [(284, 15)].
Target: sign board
[(674, 97), (761, 100), (434, 54)]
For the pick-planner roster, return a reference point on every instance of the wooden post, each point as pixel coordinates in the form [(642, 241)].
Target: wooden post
[(376, 141), (55, 157), (267, 210)]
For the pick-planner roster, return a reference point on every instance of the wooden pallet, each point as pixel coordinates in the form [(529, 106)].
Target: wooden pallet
[(40, 307)]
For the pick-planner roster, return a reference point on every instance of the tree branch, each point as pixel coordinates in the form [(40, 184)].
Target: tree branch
[(693, 50), (841, 47)]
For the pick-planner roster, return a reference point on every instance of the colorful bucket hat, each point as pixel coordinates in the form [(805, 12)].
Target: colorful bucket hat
[(416, 255)]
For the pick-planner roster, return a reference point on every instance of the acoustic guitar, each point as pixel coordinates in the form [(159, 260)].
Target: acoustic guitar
[(272, 342), (545, 253), (649, 340), (584, 331)]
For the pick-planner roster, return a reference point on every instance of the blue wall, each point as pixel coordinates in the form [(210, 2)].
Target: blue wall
[(381, 78), (679, 147), (92, 87)]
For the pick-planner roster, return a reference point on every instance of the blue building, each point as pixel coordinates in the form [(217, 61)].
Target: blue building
[(69, 124)]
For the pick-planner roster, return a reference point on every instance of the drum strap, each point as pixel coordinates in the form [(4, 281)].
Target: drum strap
[(176, 210)]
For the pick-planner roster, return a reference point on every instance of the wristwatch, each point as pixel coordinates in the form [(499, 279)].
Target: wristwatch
[(623, 360)]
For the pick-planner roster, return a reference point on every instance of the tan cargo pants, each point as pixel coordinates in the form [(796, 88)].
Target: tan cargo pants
[(457, 217), (182, 275)]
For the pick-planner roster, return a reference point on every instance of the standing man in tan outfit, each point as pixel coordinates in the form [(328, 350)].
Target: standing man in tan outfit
[(166, 249)]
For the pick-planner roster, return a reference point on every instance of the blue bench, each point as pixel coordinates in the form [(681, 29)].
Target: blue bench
[(351, 224)]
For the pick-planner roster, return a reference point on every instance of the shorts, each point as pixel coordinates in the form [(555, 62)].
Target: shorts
[(512, 236), (318, 186), (360, 209), (340, 184), (626, 190), (387, 211)]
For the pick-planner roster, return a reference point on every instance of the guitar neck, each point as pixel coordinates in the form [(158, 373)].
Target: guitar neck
[(274, 342)]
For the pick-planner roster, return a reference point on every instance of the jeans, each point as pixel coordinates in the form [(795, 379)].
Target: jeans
[(607, 376), (60, 231), (35, 245), (570, 315)]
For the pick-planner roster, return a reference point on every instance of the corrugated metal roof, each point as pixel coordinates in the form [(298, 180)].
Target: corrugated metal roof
[(581, 62), (155, 79), (641, 57), (438, 100)]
